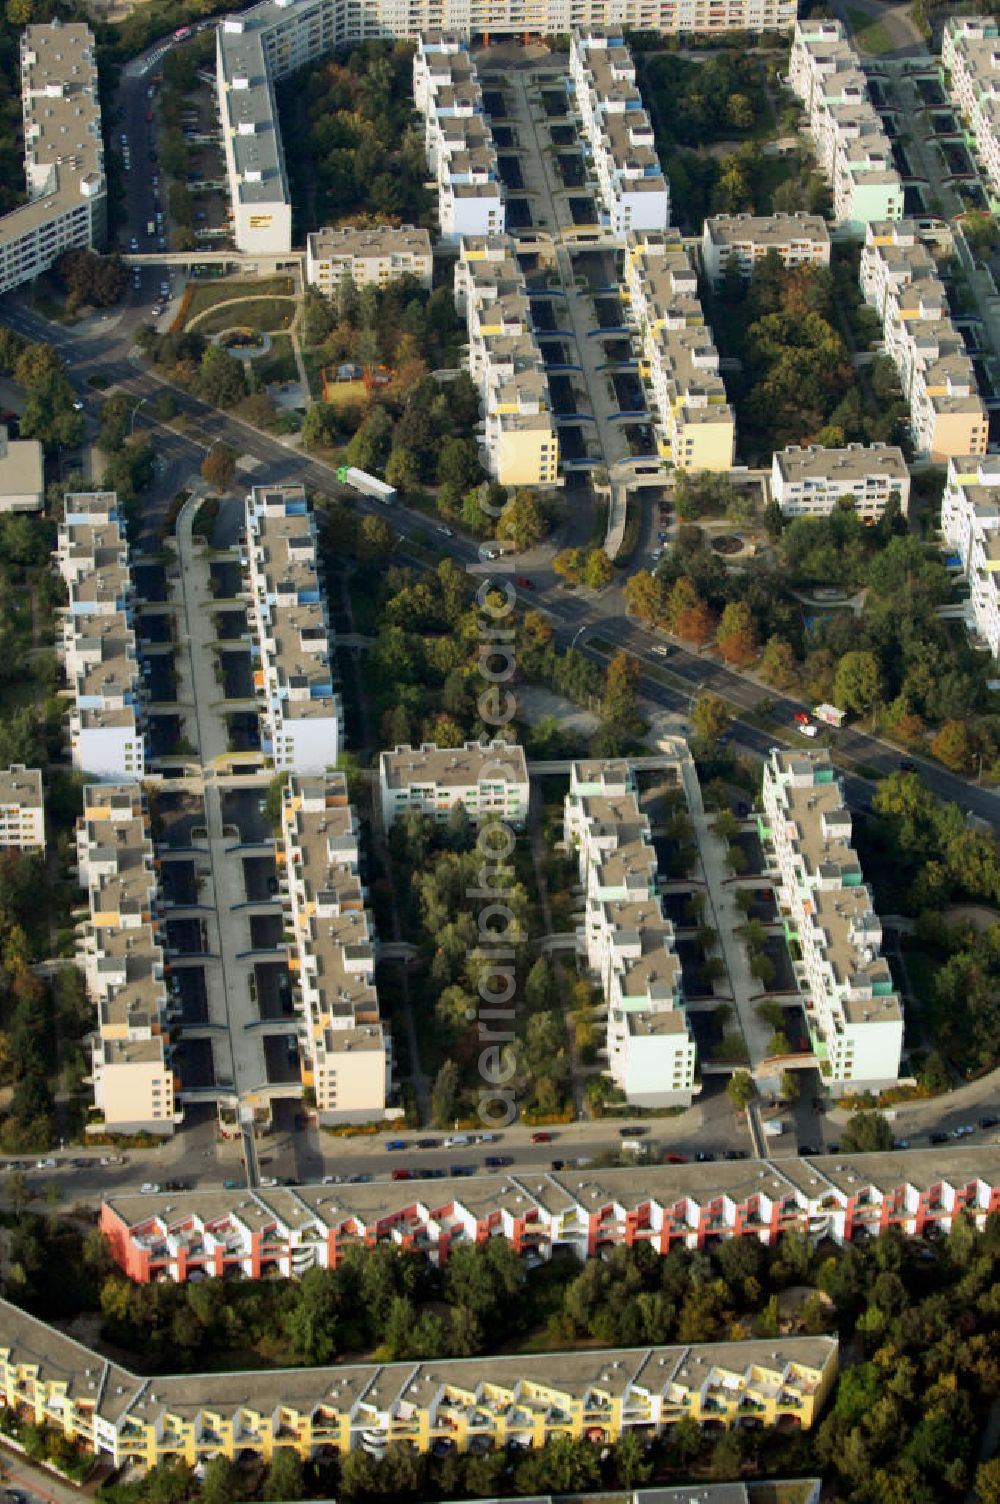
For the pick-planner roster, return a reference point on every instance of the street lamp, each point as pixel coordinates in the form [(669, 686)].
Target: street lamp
[(577, 635), (131, 432)]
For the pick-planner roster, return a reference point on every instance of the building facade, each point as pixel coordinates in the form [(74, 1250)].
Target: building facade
[(63, 154), (970, 523), (344, 1051), (98, 643), (617, 133), (488, 779), (627, 940), (520, 440), (471, 1404), (970, 63), (695, 429), (853, 1013), (851, 145), (742, 241), (813, 482), (300, 712), (899, 279), (368, 257), (584, 1213), (22, 809)]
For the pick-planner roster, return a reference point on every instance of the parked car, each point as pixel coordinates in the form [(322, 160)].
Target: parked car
[(401, 1174), (557, 1164), (990, 1121), (428, 1143), (632, 1132), (46, 1164), (807, 731), (364, 1179), (542, 1138), (523, 583), (149, 1188), (497, 1161), (801, 717), (394, 1144), (462, 1170), (674, 1159), (939, 1138)]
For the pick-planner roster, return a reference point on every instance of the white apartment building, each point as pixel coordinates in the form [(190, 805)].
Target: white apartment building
[(520, 438), (251, 139), (63, 154), (457, 137), (122, 959), (970, 522), (369, 257), (970, 61), (98, 643), (22, 809), (345, 1053), (488, 779), (270, 40), (813, 482), (301, 717), (899, 279), (626, 939), (853, 1012), (851, 145), (618, 133), (743, 240), (695, 428)]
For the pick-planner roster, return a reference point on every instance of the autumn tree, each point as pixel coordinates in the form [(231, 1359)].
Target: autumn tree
[(219, 467), (954, 746), (735, 635)]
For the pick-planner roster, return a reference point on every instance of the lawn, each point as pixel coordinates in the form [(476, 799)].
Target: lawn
[(279, 362), (870, 36), (265, 313), (205, 295)]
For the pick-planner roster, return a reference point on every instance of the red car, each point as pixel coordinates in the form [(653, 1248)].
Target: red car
[(401, 1174), (522, 582), (541, 1138), (675, 1159), (801, 717)]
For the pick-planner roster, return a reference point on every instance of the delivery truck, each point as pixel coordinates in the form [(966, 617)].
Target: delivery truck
[(368, 485)]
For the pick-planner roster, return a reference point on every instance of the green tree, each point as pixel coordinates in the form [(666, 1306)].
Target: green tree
[(521, 521), (444, 1095), (778, 664), (858, 683), (740, 1089), (710, 717), (285, 1477), (866, 1133), (789, 1086), (221, 1483)]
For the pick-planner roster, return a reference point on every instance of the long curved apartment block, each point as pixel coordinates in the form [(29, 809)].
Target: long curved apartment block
[(468, 1405)]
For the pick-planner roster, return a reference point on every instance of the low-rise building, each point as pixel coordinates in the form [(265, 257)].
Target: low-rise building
[(627, 940), (579, 1212), (22, 473), (695, 428), (520, 438), (301, 717), (852, 148), (488, 779), (618, 133), (460, 150), (22, 809), (345, 1053), (368, 257), (121, 957), (813, 482), (473, 1404), (970, 64), (742, 241), (970, 523), (853, 1012), (899, 279)]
